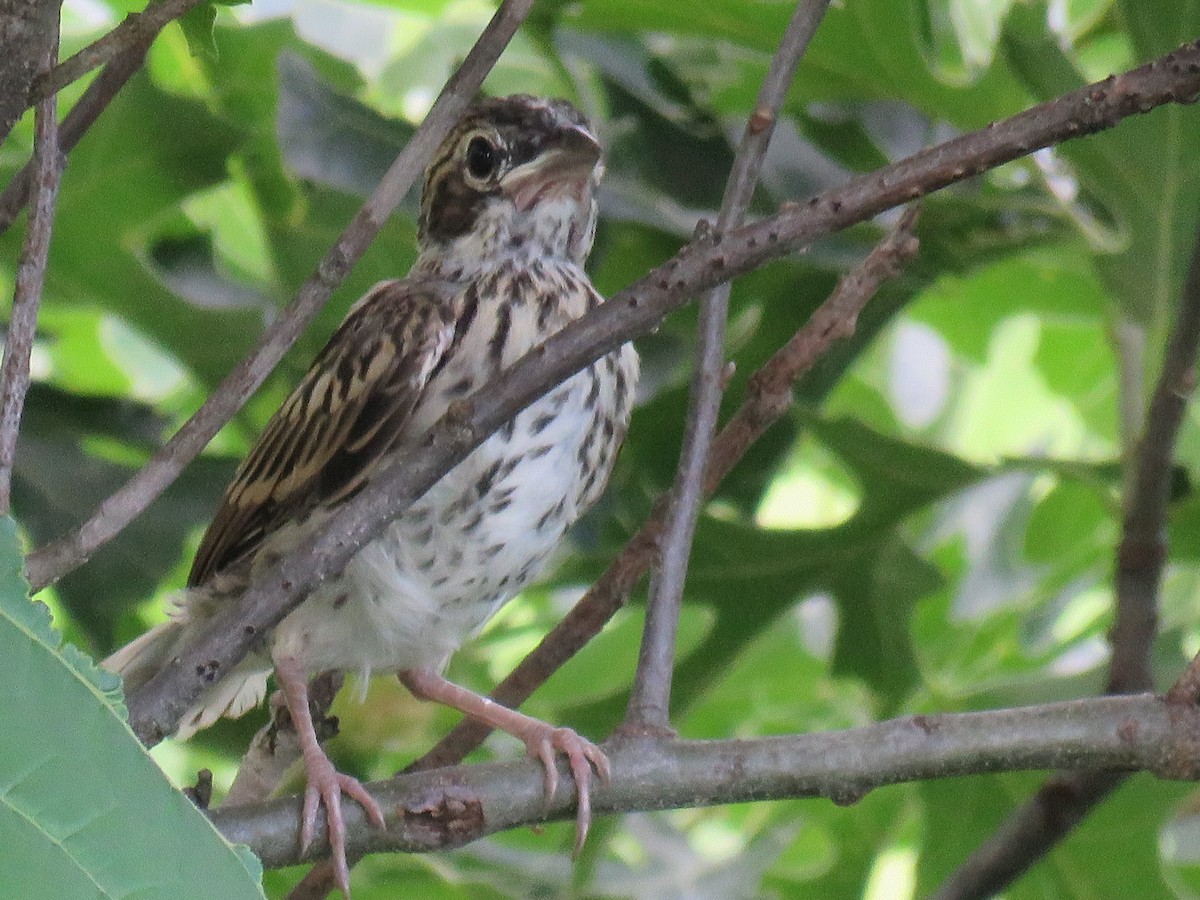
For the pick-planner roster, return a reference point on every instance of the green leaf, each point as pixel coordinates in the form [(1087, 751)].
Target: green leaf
[(197, 24), (873, 575), (330, 138), (110, 212), (1140, 218), (1071, 518), (864, 49), (90, 815)]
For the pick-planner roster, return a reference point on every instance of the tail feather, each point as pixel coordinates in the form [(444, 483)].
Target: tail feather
[(141, 659), (232, 696), (235, 694)]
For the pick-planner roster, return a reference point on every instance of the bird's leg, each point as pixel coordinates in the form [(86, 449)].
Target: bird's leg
[(542, 741), (325, 783)]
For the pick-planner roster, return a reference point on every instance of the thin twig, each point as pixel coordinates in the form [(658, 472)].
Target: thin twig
[(438, 810), (31, 275), (76, 123), (48, 564), (137, 29), (768, 398), (1066, 798), (650, 699), (280, 586)]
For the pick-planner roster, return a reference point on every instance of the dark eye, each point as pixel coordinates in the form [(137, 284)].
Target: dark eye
[(481, 157)]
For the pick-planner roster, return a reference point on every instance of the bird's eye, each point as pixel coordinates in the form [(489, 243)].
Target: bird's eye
[(481, 157)]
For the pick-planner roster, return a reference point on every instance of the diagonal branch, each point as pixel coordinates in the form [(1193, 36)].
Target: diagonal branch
[(82, 116), (49, 563), (280, 587), (136, 30), (768, 398), (31, 276), (650, 700), (1065, 799), (438, 810)]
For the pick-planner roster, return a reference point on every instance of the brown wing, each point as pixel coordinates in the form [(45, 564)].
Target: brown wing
[(330, 435)]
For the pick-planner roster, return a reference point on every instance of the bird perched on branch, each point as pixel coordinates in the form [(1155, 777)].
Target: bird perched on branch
[(507, 220)]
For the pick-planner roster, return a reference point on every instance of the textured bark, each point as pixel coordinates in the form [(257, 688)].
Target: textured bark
[(26, 29)]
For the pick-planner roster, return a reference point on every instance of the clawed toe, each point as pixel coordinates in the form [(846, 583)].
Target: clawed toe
[(582, 756), (326, 786), (543, 742), (325, 783)]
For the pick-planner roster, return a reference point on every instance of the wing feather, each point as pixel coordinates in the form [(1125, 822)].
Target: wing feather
[(353, 405)]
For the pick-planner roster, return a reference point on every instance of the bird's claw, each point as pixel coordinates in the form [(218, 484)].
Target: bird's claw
[(326, 785), (582, 756)]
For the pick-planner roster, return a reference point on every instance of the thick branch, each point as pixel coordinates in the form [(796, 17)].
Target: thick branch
[(27, 29), (447, 808), (649, 702), (51, 562), (1066, 798), (31, 276), (279, 587)]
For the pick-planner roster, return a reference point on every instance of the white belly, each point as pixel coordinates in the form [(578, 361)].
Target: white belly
[(436, 575)]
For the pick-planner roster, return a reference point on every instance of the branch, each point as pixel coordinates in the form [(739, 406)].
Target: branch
[(138, 30), (31, 276), (48, 564), (1065, 799), (438, 810), (1143, 549), (27, 29), (650, 699), (124, 50), (81, 117), (279, 587)]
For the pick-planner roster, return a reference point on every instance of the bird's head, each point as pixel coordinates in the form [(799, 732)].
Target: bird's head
[(516, 176)]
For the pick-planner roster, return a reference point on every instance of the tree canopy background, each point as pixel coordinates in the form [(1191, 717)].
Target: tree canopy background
[(931, 529)]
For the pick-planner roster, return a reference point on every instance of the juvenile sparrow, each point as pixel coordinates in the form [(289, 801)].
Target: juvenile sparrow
[(507, 219)]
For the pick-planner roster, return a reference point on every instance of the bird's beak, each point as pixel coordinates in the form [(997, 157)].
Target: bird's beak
[(567, 165)]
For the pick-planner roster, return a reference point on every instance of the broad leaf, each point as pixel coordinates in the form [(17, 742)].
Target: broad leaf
[(90, 815)]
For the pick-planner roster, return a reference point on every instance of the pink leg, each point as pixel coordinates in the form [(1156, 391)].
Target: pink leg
[(542, 741), (325, 783)]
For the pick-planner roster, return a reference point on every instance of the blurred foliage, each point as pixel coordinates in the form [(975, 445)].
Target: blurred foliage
[(932, 529)]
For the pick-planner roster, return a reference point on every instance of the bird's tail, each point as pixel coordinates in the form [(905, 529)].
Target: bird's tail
[(141, 659)]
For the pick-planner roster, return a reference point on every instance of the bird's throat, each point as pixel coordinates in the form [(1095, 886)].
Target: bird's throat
[(559, 226)]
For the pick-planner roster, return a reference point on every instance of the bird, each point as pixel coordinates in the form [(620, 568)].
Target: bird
[(507, 220)]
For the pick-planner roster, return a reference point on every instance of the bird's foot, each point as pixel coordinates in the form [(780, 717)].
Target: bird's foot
[(543, 741), (326, 786), (325, 783)]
